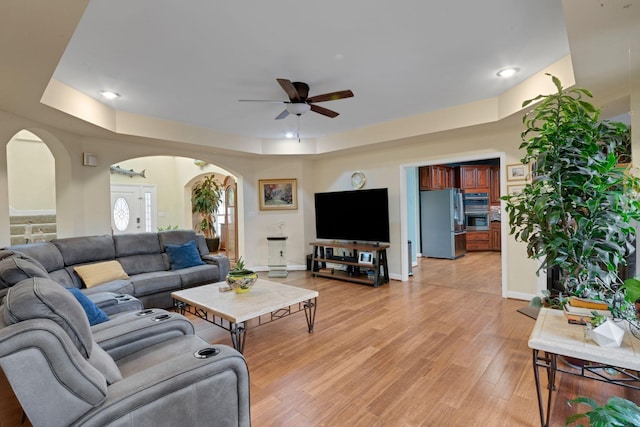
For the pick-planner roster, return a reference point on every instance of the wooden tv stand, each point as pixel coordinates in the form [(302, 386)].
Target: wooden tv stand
[(378, 265)]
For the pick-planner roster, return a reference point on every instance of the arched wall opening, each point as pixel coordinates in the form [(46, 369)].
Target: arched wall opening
[(171, 179)]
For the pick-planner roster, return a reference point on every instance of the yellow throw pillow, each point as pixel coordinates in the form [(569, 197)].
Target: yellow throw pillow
[(100, 272)]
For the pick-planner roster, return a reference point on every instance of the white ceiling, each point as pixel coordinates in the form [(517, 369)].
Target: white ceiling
[(190, 61)]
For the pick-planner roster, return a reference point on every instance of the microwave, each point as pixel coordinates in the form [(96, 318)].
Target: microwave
[(478, 220)]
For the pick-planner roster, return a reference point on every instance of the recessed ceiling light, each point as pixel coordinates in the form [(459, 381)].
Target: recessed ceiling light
[(109, 95), (507, 72), (289, 135)]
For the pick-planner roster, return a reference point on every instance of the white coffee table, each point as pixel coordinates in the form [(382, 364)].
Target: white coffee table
[(266, 301)]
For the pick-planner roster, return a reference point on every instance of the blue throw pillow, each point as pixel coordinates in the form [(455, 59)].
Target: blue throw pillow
[(94, 313), (183, 256)]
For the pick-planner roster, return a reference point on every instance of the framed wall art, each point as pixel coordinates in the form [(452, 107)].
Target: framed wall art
[(517, 172), (515, 189), (278, 194)]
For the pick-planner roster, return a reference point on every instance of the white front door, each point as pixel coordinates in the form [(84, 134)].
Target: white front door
[(133, 208)]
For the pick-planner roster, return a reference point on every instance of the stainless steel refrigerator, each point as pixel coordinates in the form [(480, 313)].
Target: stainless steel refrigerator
[(442, 224)]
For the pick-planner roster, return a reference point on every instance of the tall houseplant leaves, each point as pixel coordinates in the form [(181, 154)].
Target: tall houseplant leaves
[(576, 212), (205, 200)]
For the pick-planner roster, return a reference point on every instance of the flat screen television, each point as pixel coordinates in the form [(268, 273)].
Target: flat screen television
[(360, 215)]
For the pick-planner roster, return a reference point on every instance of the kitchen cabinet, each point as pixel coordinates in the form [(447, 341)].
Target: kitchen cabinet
[(476, 178), (477, 241), (436, 177), (495, 236), (494, 190)]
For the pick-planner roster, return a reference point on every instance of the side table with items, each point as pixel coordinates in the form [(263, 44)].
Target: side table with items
[(553, 336)]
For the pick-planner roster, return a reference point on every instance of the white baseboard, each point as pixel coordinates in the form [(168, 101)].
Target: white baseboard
[(520, 295)]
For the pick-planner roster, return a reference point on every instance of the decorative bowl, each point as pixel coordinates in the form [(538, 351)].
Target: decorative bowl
[(242, 281)]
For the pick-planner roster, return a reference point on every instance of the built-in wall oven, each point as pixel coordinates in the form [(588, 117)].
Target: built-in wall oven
[(476, 211)]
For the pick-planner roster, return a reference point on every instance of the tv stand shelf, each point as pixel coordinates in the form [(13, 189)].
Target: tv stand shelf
[(378, 262)]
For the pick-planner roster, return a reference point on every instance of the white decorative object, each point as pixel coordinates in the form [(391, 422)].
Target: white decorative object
[(607, 334), (277, 256)]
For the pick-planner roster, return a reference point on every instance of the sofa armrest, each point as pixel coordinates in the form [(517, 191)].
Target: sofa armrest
[(133, 331), (221, 261), (181, 390), (112, 303)]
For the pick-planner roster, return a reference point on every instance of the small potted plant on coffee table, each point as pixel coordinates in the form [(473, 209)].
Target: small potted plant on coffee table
[(241, 279)]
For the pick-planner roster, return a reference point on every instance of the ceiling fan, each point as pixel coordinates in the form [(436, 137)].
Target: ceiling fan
[(299, 101)]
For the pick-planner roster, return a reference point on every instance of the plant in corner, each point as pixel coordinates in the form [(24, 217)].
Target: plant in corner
[(616, 412), (240, 279), (206, 196), (575, 214)]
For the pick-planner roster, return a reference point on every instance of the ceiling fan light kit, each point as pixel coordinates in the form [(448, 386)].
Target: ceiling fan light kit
[(298, 108)]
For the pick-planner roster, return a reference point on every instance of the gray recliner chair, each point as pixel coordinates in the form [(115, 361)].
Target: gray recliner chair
[(62, 377)]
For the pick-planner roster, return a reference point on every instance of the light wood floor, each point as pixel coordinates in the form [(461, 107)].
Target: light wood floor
[(443, 349)]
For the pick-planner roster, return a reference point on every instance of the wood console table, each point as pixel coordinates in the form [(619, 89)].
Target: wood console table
[(378, 264), (553, 336)]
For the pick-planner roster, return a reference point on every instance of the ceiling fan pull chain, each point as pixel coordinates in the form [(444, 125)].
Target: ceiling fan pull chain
[(298, 129)]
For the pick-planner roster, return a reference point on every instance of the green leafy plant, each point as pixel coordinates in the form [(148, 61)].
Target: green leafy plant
[(597, 319), (240, 268), (168, 227), (557, 301), (631, 288), (616, 412), (206, 196), (576, 212)]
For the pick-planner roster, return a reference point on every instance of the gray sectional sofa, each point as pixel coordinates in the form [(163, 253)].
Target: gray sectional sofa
[(152, 275)]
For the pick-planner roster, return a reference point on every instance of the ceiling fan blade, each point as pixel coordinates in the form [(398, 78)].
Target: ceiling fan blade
[(263, 100), (331, 96), (282, 115), (324, 111), (290, 89)]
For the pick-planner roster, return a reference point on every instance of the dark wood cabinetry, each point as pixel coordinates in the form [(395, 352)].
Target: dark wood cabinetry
[(471, 179), (494, 190), (476, 178), (477, 241), (437, 177), (495, 236)]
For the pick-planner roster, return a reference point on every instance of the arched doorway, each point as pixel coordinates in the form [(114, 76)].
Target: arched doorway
[(230, 217), (31, 181), (159, 189)]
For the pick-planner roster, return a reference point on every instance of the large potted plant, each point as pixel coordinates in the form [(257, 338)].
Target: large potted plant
[(576, 213), (205, 200)]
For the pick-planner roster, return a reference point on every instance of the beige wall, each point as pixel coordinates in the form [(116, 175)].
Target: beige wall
[(85, 190), (31, 174), (383, 169), (170, 175)]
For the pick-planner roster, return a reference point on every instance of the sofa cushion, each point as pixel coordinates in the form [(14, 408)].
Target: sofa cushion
[(104, 363), (120, 286), (183, 256), (136, 244), (175, 237), (155, 282), (15, 269), (201, 242), (94, 314), (100, 272), (199, 275), (38, 298), (45, 253), (143, 263), (66, 277), (83, 250)]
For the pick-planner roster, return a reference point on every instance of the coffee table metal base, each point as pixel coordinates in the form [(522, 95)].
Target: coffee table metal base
[(238, 330)]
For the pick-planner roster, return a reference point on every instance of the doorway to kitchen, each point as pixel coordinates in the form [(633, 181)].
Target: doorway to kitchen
[(471, 174)]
